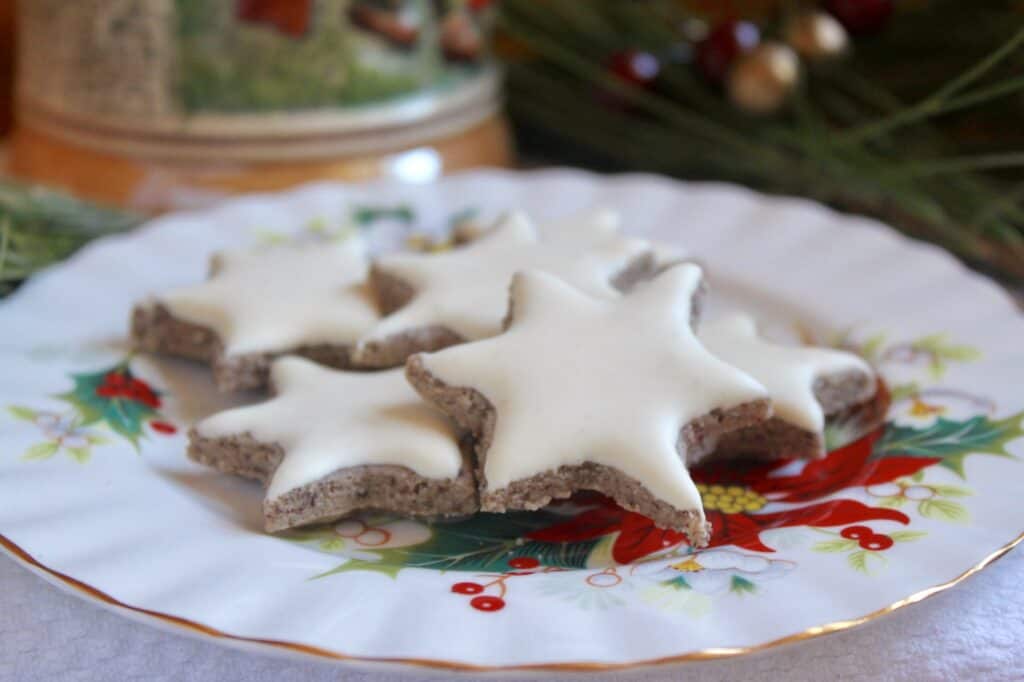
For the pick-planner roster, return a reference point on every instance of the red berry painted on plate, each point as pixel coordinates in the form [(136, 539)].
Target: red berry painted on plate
[(467, 588), (717, 52), (860, 16), (166, 428), (106, 391), (487, 603), (141, 392), (114, 379), (877, 542), (522, 562), (856, 532)]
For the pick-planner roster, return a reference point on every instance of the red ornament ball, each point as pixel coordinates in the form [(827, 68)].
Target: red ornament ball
[(487, 603), (860, 16), (467, 588), (635, 67), (523, 562), (717, 52)]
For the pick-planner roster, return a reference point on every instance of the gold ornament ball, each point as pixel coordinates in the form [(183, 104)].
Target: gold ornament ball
[(763, 79), (816, 35)]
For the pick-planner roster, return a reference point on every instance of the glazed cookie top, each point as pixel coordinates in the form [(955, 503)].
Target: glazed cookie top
[(788, 372), (280, 297), (326, 420), (466, 290), (577, 378)]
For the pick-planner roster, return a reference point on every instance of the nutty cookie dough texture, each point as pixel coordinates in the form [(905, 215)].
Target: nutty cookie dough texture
[(576, 379)]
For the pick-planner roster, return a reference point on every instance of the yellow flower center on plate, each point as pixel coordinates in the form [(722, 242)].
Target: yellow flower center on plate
[(730, 499)]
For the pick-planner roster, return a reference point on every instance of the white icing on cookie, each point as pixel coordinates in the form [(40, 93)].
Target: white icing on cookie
[(280, 297), (788, 372), (466, 290), (580, 227), (577, 378), (326, 420)]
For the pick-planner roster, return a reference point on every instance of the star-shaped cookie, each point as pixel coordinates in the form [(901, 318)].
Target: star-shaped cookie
[(589, 393), (331, 443), (310, 299), (437, 300), (805, 385)]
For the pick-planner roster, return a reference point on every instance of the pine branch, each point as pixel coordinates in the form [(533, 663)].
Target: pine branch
[(847, 139), (39, 227)]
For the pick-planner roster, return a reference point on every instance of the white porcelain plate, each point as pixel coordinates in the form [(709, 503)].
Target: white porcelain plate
[(96, 493)]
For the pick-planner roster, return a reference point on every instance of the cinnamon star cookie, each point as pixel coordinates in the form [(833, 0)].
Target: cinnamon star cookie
[(331, 443), (588, 393)]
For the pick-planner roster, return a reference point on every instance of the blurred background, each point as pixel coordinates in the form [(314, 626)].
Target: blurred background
[(907, 110)]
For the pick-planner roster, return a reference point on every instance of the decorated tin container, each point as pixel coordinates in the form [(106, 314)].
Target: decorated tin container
[(158, 103)]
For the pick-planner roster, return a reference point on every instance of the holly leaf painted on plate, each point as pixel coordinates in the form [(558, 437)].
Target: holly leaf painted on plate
[(741, 585), (124, 410), (677, 583), (951, 441), (365, 216), (483, 543)]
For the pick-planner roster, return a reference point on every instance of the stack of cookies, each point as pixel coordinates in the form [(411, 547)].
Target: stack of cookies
[(519, 368)]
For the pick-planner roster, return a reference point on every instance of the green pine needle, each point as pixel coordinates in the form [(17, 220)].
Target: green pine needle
[(39, 227)]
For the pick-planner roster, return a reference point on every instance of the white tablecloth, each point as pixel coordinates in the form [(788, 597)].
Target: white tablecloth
[(972, 632)]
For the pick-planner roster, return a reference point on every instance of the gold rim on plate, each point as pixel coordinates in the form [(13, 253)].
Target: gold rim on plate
[(703, 655)]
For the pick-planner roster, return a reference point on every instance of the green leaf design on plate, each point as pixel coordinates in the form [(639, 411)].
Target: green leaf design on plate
[(462, 216), (858, 561), (902, 391), (678, 583), (41, 451), (741, 585), (124, 415), (952, 441), (945, 510), (940, 351), (23, 413), (81, 455), (332, 544), (841, 545), (383, 566), (365, 216), (483, 543), (950, 490), (907, 535)]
